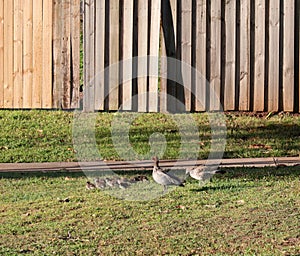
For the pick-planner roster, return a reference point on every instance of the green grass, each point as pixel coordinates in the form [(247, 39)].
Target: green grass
[(244, 212), (46, 136)]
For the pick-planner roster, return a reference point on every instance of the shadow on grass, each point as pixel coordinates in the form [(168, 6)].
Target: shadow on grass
[(221, 187), (246, 174), (262, 173), (64, 173)]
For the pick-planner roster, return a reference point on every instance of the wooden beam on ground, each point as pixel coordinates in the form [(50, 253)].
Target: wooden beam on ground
[(143, 165)]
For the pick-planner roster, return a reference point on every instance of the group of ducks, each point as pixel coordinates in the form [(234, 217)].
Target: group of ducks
[(200, 173), (111, 182), (160, 176)]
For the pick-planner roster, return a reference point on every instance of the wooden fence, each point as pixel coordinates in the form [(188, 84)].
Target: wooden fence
[(247, 50), (39, 53)]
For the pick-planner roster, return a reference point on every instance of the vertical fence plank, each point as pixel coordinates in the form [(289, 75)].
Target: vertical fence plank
[(201, 58), (273, 72), (57, 55), (259, 71), (99, 65), (75, 52), (47, 54), (244, 54), (127, 54), (186, 44), (288, 55), (65, 61), (114, 38), (37, 54), (27, 53), (154, 52), (230, 65), (142, 52), (88, 56), (215, 77), (18, 54), (1, 54), (8, 53)]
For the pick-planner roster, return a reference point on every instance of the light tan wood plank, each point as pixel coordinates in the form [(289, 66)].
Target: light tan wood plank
[(201, 37), (259, 70), (230, 64), (37, 54), (47, 54), (87, 90), (18, 53), (273, 72), (75, 52), (215, 78), (8, 53), (186, 44), (100, 50), (1, 54), (288, 55), (127, 54), (244, 97), (57, 54), (154, 53), (114, 38), (142, 53), (66, 54), (27, 53)]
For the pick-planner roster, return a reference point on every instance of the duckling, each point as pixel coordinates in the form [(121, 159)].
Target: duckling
[(89, 185), (164, 178), (100, 183)]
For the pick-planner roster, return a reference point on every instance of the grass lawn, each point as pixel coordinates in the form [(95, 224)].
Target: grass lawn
[(243, 212), (46, 136)]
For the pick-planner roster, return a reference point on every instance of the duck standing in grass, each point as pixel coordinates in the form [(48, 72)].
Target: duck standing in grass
[(203, 173), (164, 178), (89, 185)]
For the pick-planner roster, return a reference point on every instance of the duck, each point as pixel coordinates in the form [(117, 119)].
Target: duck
[(203, 173), (89, 185), (100, 183), (164, 178), (111, 182)]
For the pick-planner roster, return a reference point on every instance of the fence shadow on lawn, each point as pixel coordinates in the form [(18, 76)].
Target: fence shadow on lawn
[(243, 173)]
